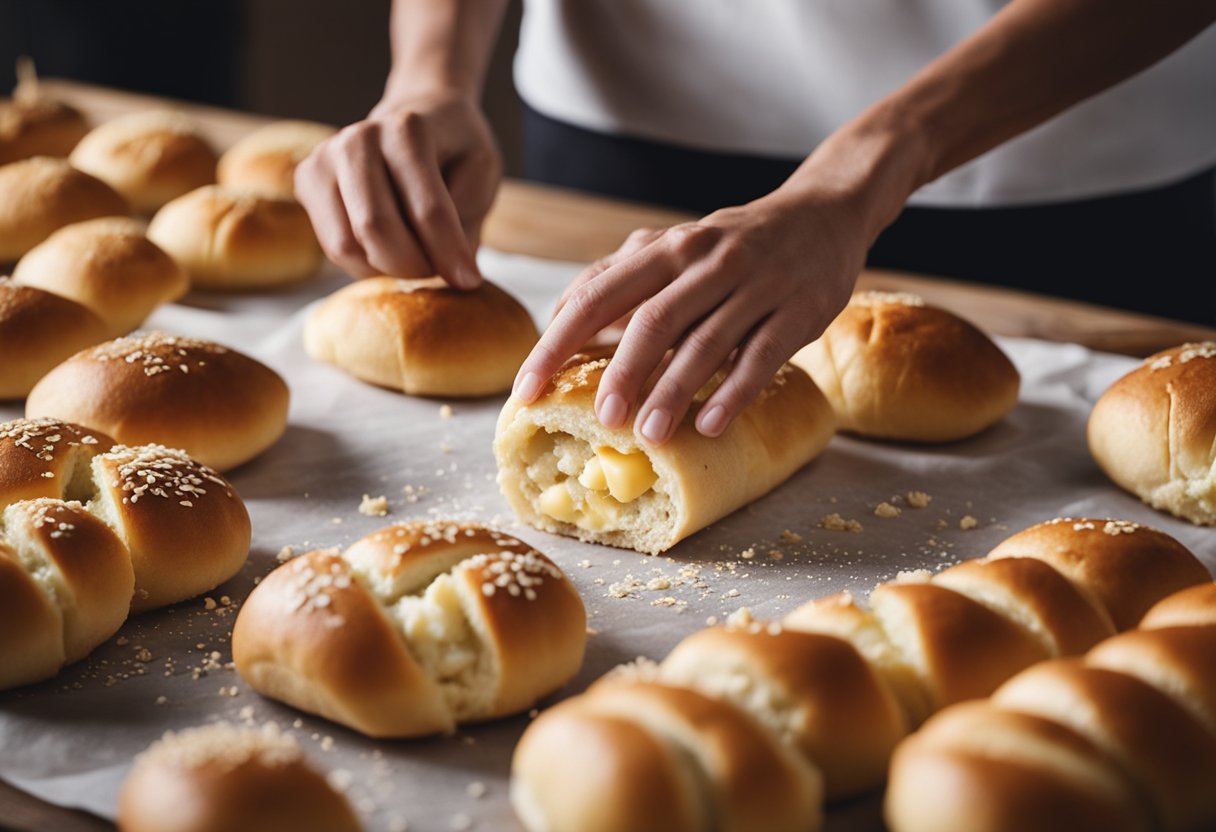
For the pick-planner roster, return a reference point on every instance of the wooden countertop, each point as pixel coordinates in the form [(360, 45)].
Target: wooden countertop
[(565, 225)]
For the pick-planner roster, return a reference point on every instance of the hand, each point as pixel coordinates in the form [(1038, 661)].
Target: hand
[(741, 290), (404, 192)]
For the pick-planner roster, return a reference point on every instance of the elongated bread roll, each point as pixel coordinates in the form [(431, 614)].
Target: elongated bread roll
[(412, 630), (564, 472), (38, 330)]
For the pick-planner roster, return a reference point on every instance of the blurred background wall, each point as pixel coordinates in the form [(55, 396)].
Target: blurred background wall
[(316, 59)]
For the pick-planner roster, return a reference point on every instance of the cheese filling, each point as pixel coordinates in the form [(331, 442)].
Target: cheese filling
[(595, 491)]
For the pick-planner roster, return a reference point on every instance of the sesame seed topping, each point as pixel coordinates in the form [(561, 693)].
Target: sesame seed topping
[(876, 298), (224, 744), (157, 352), (157, 471)]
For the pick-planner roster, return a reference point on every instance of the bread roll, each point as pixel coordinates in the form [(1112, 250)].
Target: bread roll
[(1154, 432), (652, 757), (220, 406), (813, 691), (564, 472), (36, 125), (894, 367), (1125, 566), (37, 331), (422, 336), (48, 458), (150, 157), (231, 239), (413, 629), (1190, 607), (107, 265), (40, 194), (221, 778), (265, 160)]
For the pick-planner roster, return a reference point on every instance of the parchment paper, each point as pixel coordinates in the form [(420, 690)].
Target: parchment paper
[(71, 740)]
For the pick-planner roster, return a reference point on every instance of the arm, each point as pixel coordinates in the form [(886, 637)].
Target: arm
[(747, 286), (404, 191)]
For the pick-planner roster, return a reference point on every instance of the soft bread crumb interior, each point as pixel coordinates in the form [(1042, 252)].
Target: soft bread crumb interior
[(34, 559), (733, 681)]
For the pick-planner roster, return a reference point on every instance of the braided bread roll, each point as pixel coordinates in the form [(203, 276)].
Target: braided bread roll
[(93, 531), (413, 629)]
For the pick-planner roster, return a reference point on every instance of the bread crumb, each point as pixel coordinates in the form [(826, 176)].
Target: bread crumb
[(374, 506), (918, 499), (834, 522), (741, 617), (285, 554), (209, 603), (445, 411), (711, 621), (327, 743), (748, 553), (788, 536), (162, 700), (776, 554), (968, 522), (461, 822), (885, 509), (476, 790), (658, 584)]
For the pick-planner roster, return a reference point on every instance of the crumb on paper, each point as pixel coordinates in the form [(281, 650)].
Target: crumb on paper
[(748, 554), (968, 522), (209, 603), (885, 509), (834, 522), (445, 411), (741, 617), (919, 499), (788, 536), (476, 790), (285, 554), (374, 506)]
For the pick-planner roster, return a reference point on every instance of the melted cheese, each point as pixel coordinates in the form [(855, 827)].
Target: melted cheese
[(628, 476)]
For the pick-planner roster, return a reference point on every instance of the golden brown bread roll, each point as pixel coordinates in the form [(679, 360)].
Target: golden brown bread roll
[(220, 778), (232, 239), (40, 195), (218, 405), (894, 367), (38, 330), (652, 757), (413, 629), (101, 530), (265, 160), (564, 472), (33, 124), (108, 265), (1190, 607), (422, 336), (150, 157), (1154, 432)]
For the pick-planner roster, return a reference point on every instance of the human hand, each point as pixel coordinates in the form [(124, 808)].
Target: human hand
[(404, 192), (740, 290)]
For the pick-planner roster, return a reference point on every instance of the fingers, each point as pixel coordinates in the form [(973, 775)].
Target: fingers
[(635, 242)]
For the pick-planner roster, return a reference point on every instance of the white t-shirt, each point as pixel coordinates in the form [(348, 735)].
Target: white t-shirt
[(774, 77)]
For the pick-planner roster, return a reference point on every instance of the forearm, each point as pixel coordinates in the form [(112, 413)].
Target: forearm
[(1033, 60), (441, 45)]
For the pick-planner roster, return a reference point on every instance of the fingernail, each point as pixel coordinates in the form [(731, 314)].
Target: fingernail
[(656, 426), (528, 387), (613, 411), (469, 278), (712, 421)]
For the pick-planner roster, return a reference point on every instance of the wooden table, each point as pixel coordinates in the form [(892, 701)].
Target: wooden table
[(552, 223)]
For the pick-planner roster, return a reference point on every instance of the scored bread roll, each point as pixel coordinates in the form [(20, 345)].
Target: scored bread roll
[(233, 239), (413, 629), (40, 195), (37, 125), (220, 778), (265, 160), (894, 367), (1153, 432), (659, 758), (37, 331), (422, 336), (218, 405), (564, 472), (150, 157), (108, 265)]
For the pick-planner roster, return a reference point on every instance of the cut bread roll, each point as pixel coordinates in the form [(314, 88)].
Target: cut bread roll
[(659, 758), (150, 157), (564, 472), (91, 531), (412, 630), (1154, 432), (232, 239), (108, 265), (265, 160), (40, 195), (894, 367), (38, 330), (422, 336), (217, 404), (220, 778)]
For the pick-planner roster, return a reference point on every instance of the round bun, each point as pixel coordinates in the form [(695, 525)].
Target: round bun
[(422, 336), (150, 157), (265, 160), (894, 367), (1154, 432), (47, 458), (41, 194), (109, 266), (37, 331), (413, 629), (1124, 566), (218, 405), (233, 239), (220, 778), (35, 125)]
